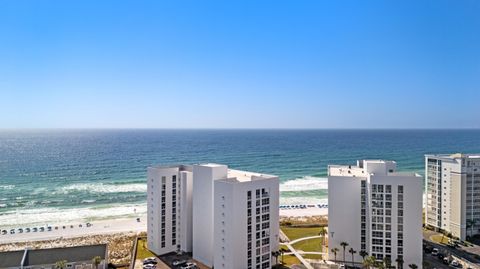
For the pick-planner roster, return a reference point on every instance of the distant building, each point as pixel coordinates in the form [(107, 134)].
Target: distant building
[(226, 218), (453, 193), (77, 258), (376, 210)]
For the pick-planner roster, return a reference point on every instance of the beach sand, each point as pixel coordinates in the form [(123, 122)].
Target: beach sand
[(98, 227), (306, 212)]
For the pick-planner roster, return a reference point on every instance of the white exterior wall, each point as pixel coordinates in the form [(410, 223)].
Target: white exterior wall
[(344, 214), (344, 199), (185, 229), (172, 238), (231, 223), (203, 177), (458, 195)]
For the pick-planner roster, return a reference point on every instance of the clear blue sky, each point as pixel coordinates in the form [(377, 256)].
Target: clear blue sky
[(245, 64)]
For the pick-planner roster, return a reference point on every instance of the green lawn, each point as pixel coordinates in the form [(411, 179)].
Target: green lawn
[(308, 245), (142, 251), (295, 233), (289, 260), (314, 256)]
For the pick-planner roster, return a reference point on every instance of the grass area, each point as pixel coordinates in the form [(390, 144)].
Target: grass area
[(299, 232), (438, 239), (289, 260), (142, 251), (314, 256), (309, 245)]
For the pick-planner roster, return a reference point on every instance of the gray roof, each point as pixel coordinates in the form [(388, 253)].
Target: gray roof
[(11, 258), (52, 255)]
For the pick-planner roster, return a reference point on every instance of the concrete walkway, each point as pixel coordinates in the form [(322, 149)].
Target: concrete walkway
[(298, 253)]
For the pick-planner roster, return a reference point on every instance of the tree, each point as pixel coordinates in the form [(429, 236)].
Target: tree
[(275, 254), (363, 254), (334, 251), (96, 261), (61, 264), (352, 251), (322, 233), (369, 261), (470, 224), (387, 262), (344, 246), (413, 266), (399, 262), (282, 251)]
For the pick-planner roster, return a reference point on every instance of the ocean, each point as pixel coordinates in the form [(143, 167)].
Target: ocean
[(61, 176)]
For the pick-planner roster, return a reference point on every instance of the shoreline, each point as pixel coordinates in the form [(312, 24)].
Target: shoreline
[(122, 225), (103, 227)]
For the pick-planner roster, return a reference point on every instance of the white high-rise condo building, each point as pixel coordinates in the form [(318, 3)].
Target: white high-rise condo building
[(169, 205), (227, 218), (377, 210), (453, 193)]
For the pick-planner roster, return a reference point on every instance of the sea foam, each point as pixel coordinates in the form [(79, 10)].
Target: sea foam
[(306, 183)]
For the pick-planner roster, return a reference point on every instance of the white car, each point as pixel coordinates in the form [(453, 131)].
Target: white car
[(454, 263), (189, 265), (435, 252)]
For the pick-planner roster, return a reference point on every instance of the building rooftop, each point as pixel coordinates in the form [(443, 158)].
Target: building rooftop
[(237, 176), (454, 156), (52, 255)]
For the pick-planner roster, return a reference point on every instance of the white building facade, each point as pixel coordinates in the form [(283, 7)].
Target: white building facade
[(226, 218), (453, 193), (246, 224), (377, 210), (169, 205)]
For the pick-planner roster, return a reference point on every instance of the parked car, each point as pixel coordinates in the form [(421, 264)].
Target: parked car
[(20, 230), (454, 263), (42, 229), (151, 260), (435, 251), (446, 261), (189, 265), (149, 266), (34, 229), (428, 249), (179, 262), (27, 230), (12, 231), (440, 256), (4, 231)]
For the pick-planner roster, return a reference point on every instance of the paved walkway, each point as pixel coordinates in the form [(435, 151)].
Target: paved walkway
[(298, 253)]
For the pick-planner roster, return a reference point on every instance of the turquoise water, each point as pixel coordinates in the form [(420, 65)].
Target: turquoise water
[(58, 176)]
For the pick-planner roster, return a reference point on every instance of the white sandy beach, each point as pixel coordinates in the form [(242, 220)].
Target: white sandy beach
[(98, 227), (309, 211), (306, 212)]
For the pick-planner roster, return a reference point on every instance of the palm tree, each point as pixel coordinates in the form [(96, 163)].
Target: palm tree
[(352, 251), (387, 262), (369, 261), (399, 262), (470, 224), (344, 246), (282, 251), (334, 251), (413, 266), (363, 254), (60, 264), (322, 233), (96, 261), (275, 254)]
